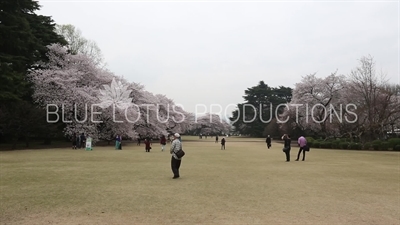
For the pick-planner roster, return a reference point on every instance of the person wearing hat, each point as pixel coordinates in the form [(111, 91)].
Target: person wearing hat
[(175, 161)]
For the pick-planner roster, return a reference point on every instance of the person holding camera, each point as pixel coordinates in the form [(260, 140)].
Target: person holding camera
[(286, 146)]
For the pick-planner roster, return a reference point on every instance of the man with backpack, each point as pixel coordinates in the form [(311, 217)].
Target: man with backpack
[(176, 145)]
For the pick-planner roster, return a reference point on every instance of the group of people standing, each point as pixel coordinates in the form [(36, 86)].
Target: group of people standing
[(78, 141), (176, 145), (147, 143), (302, 143)]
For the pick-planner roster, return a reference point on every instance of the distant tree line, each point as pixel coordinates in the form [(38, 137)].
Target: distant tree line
[(362, 106)]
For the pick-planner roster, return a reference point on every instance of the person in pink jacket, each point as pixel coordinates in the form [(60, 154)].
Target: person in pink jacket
[(302, 141)]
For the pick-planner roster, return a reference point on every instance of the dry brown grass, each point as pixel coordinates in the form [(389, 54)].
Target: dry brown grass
[(245, 184)]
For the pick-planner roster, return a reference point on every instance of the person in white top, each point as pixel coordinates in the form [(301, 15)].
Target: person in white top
[(175, 161)]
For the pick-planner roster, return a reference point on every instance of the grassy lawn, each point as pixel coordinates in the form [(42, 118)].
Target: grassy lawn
[(245, 184)]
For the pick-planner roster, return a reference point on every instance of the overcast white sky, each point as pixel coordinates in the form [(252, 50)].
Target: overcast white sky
[(210, 52)]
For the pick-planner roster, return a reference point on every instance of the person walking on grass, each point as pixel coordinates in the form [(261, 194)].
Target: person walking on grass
[(286, 146), (268, 141), (74, 141), (163, 142), (216, 139), (176, 145), (117, 142), (302, 141), (147, 144), (223, 143)]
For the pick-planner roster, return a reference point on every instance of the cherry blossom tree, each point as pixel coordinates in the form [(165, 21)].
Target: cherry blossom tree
[(118, 115), (316, 105), (362, 106), (211, 124), (94, 101), (68, 83), (74, 88), (159, 115)]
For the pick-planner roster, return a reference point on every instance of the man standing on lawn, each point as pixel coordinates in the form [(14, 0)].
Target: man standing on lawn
[(223, 143), (302, 143), (175, 161), (268, 141)]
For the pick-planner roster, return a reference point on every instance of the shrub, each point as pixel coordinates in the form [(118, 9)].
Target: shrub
[(315, 144), (366, 146), (393, 142), (344, 145), (310, 139), (346, 139), (355, 146), (336, 144), (384, 146), (376, 144), (326, 144), (396, 148)]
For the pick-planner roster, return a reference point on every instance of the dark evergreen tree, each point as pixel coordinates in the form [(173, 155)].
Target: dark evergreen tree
[(259, 109), (24, 37)]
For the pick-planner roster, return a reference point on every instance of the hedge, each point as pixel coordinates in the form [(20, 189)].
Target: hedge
[(384, 146), (393, 142), (355, 146), (376, 144), (326, 144), (344, 145), (336, 144), (315, 144), (367, 146), (310, 139)]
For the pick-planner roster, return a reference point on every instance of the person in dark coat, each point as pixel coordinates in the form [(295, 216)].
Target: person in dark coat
[(216, 139), (83, 140), (268, 141), (223, 143), (163, 142), (147, 144), (78, 141), (74, 141), (286, 146)]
